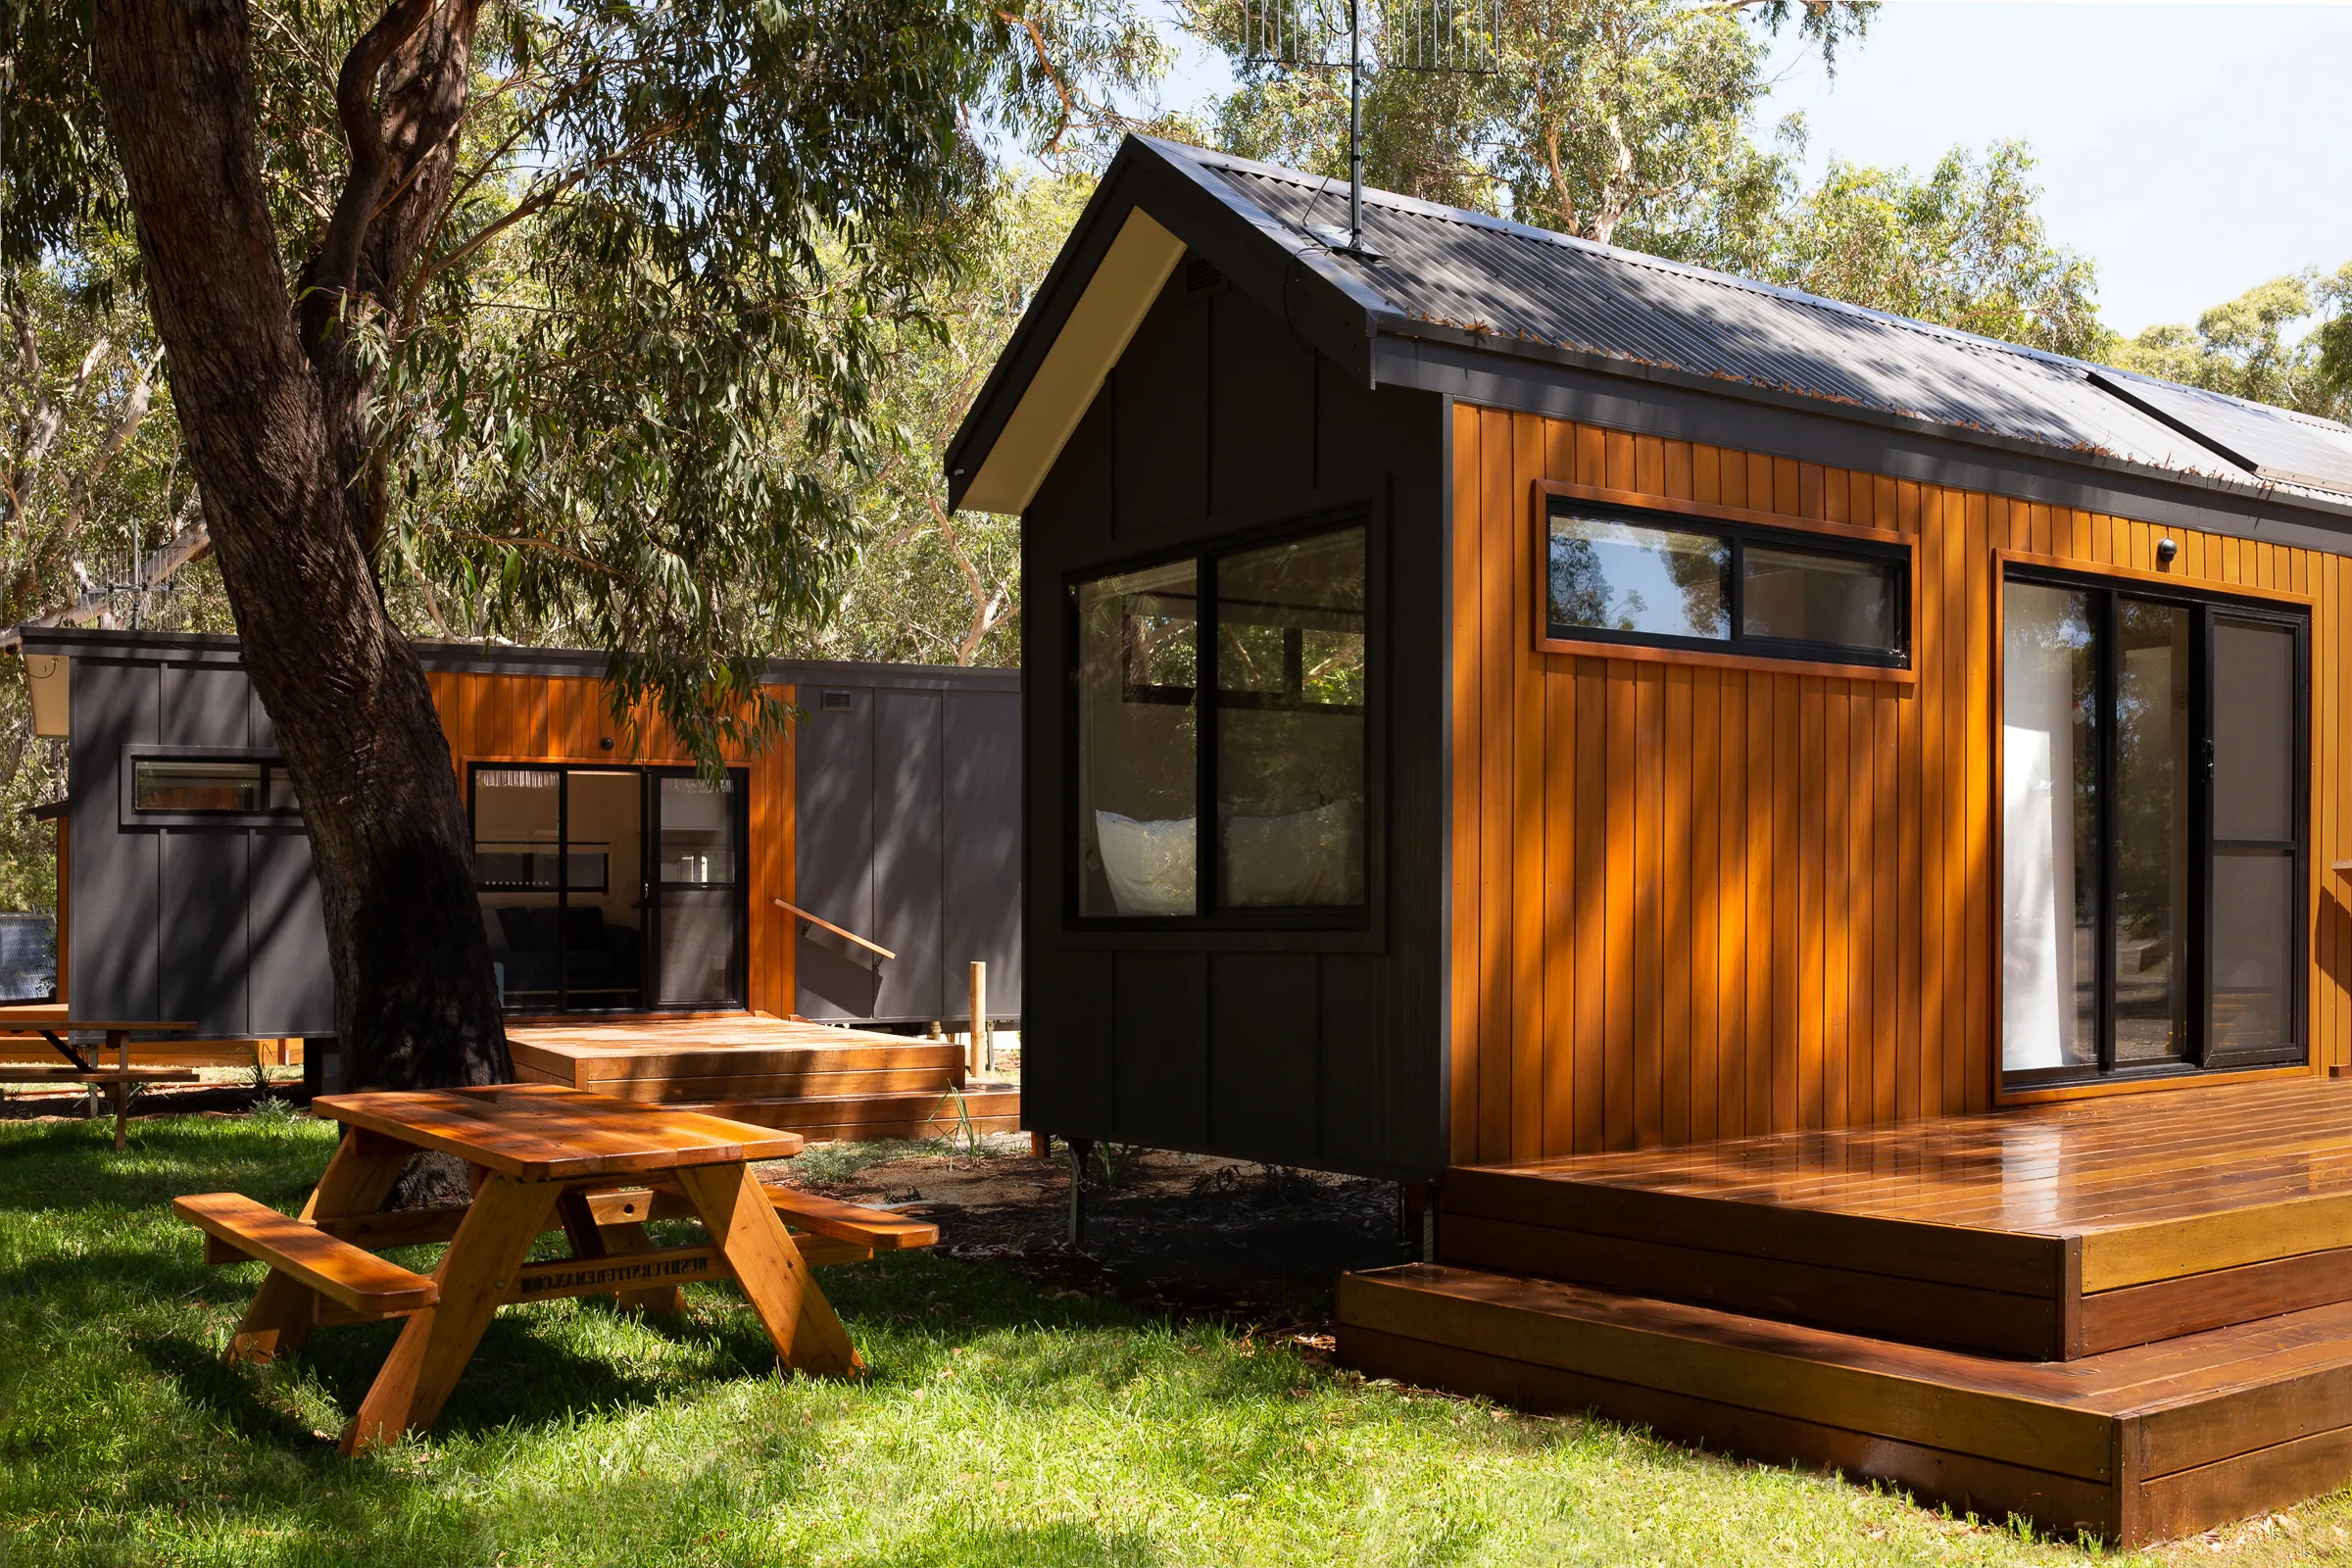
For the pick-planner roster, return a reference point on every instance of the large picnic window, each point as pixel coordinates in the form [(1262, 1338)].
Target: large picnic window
[(2153, 830), (1275, 635)]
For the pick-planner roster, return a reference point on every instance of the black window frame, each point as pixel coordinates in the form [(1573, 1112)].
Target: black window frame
[(1891, 550), (2205, 604), (266, 760), (1211, 914)]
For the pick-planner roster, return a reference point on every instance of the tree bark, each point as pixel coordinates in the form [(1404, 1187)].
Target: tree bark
[(272, 406)]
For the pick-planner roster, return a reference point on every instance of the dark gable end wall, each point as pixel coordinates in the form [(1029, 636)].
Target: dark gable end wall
[(1307, 1049)]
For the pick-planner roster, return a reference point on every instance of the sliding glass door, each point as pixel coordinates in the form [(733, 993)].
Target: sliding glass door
[(2152, 831), (611, 888)]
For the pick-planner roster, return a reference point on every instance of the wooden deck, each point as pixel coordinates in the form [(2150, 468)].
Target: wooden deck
[(2130, 1314), (814, 1079), (2047, 1232), (2135, 1445)]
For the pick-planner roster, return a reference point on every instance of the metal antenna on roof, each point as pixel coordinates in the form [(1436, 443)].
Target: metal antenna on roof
[(1457, 36)]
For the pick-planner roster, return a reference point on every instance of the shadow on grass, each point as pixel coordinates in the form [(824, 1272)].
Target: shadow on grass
[(226, 1392), (70, 1167)]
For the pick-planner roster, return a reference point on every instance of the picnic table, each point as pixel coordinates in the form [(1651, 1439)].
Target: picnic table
[(49, 1021), (544, 1157)]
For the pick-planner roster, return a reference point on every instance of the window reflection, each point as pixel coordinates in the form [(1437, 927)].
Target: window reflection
[(1291, 677), (1138, 771), (1617, 576)]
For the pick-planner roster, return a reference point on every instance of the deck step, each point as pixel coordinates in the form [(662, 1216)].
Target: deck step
[(2135, 1445), (927, 1113), (349, 1276)]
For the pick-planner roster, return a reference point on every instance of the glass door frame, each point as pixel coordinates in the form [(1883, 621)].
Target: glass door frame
[(739, 907), (2204, 602), (648, 885)]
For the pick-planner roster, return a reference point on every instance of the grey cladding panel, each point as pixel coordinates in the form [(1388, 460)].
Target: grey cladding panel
[(1160, 1049), (1261, 1056), (833, 873), (1066, 1050), (292, 988), (1162, 417), (907, 848), (204, 706), (1262, 412), (980, 860), (111, 945), (1359, 1090), (201, 923)]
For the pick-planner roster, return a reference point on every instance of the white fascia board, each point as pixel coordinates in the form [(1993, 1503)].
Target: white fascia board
[(1097, 332)]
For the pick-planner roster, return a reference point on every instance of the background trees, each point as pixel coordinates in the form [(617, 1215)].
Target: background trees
[(569, 316), (2287, 341)]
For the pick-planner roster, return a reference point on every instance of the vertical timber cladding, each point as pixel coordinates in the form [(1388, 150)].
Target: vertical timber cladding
[(566, 719), (1694, 902)]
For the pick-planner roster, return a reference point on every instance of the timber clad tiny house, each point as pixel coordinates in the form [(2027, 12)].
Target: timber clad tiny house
[(614, 883), (1501, 705)]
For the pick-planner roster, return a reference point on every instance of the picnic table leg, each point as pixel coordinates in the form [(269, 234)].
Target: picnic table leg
[(475, 1276), (356, 1182), (769, 1269), (590, 1239)]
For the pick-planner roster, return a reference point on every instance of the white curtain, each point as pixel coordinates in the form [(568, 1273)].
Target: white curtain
[(2037, 828)]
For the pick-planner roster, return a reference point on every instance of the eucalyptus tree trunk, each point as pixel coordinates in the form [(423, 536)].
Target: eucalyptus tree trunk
[(271, 402)]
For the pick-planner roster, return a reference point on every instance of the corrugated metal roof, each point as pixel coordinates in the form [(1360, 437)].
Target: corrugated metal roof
[(1445, 267)]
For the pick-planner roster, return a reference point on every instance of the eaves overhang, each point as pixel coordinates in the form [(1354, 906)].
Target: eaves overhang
[(1155, 203)]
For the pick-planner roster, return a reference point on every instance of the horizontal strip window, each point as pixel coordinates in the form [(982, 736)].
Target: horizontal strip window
[(200, 786), (1614, 574)]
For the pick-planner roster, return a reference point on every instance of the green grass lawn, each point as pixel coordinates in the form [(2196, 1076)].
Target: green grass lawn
[(1002, 1422)]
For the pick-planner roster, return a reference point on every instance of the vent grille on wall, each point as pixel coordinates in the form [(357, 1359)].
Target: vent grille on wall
[(1200, 277), (833, 701)]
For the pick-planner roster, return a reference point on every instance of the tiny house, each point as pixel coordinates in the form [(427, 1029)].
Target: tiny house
[(1496, 697), (613, 880), (1816, 843)]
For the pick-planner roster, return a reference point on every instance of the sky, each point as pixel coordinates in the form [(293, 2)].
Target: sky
[(2191, 150)]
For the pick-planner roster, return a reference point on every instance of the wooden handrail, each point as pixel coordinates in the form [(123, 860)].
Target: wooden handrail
[(848, 936)]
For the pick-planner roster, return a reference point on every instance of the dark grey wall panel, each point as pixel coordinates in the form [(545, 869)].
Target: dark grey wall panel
[(909, 834), (1340, 1061), (834, 860), (1160, 464), (1262, 1048), (980, 847), (1262, 424), (1066, 1047), (110, 952), (205, 706), (201, 923), (292, 989), (1160, 1037), (906, 856)]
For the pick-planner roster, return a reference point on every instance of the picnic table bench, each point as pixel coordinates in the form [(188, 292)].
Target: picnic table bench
[(49, 1021), (545, 1158)]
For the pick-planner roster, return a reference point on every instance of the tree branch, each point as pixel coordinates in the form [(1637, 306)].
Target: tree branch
[(334, 270)]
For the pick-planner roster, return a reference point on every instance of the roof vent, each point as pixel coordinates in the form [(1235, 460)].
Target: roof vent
[(1200, 277), (833, 701)]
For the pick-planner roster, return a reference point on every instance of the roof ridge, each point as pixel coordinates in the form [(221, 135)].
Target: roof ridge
[(1512, 228)]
